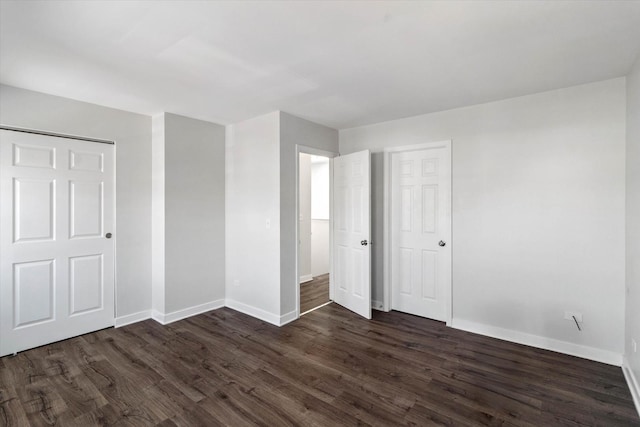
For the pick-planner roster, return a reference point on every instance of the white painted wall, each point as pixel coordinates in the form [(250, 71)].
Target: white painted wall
[(294, 130), (320, 249), (633, 227), (194, 213), (320, 188), (304, 236), (320, 206), (158, 228), (252, 162), (132, 135), (188, 217), (261, 178), (538, 213)]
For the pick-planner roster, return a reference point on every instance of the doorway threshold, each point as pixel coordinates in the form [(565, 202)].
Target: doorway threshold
[(315, 308)]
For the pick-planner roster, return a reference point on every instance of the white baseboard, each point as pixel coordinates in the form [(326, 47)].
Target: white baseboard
[(632, 381), (132, 318), (288, 318), (261, 314), (256, 312), (306, 278), (591, 353), (377, 305), (174, 316)]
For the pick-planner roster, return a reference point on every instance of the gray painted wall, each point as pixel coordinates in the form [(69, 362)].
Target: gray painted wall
[(194, 212), (294, 130), (260, 187), (633, 222), (132, 135), (538, 211), (252, 199)]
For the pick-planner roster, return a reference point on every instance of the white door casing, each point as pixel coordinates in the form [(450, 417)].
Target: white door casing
[(352, 230), (57, 203), (420, 235)]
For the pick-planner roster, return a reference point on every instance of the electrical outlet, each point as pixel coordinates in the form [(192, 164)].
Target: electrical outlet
[(569, 315), (634, 345)]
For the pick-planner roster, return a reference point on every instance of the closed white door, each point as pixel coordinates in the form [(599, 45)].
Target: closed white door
[(421, 232), (56, 258), (352, 230)]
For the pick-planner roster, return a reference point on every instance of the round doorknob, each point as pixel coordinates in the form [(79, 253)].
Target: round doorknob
[(364, 242), (108, 235), (442, 243)]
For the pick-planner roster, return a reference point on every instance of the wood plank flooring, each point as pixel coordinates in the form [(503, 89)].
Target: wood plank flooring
[(329, 368), (314, 293)]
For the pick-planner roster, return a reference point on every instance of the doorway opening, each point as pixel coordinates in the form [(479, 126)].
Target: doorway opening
[(314, 243)]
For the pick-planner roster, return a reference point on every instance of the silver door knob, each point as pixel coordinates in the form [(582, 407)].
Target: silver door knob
[(442, 243), (108, 235), (364, 242)]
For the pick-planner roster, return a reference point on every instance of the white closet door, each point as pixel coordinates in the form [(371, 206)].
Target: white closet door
[(56, 248), (352, 230)]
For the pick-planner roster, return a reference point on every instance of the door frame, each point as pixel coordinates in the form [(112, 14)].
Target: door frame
[(314, 152), (387, 227)]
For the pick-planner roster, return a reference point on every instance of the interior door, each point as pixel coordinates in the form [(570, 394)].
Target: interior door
[(420, 232), (352, 230), (56, 258)]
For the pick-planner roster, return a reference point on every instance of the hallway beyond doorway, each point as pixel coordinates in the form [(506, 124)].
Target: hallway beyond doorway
[(314, 293)]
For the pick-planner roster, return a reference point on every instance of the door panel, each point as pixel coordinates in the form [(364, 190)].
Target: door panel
[(85, 209), (79, 161), (34, 156), (34, 207), (86, 283), (56, 266), (429, 274), (420, 219), (352, 262), (33, 284)]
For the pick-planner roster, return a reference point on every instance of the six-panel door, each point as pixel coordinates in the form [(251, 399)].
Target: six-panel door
[(420, 231), (352, 228), (56, 266)]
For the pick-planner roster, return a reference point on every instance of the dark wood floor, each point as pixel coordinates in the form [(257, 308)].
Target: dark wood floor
[(329, 368), (314, 293)]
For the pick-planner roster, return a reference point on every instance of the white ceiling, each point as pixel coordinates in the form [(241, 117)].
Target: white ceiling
[(341, 64)]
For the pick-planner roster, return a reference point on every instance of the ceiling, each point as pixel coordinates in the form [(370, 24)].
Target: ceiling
[(342, 64)]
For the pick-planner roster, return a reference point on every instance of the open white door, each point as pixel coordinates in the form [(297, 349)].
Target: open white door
[(56, 251), (352, 228)]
